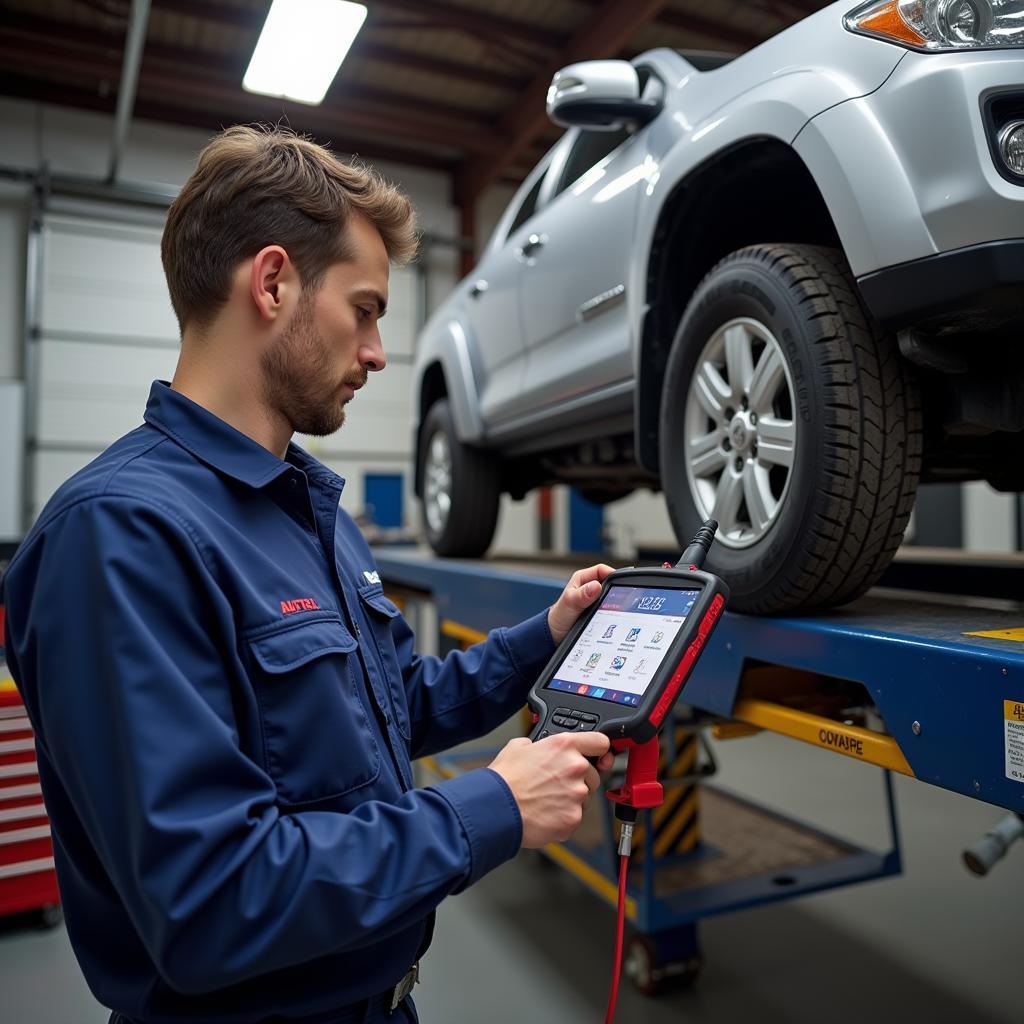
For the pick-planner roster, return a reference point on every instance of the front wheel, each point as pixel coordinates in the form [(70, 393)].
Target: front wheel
[(461, 489), (789, 417)]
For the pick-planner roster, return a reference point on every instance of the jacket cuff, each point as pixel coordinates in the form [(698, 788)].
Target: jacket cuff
[(489, 816), (530, 646)]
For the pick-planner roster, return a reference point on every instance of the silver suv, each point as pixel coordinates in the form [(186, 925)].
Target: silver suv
[(783, 288)]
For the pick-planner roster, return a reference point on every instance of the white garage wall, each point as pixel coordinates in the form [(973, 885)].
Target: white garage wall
[(107, 327), (990, 519)]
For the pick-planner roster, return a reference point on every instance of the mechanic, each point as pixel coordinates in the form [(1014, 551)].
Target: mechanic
[(225, 702)]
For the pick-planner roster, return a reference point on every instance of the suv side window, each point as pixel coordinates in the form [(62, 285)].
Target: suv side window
[(528, 206), (589, 148)]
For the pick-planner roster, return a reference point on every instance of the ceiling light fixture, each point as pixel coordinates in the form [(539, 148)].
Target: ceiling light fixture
[(301, 47)]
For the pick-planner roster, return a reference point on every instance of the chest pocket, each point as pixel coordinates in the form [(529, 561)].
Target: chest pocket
[(381, 612), (317, 740)]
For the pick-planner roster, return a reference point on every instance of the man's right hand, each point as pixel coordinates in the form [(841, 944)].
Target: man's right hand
[(552, 781)]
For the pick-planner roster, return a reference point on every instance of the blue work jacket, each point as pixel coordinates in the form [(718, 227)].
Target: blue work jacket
[(225, 706)]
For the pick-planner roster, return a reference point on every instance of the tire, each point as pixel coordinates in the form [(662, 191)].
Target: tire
[(461, 489), (790, 416)]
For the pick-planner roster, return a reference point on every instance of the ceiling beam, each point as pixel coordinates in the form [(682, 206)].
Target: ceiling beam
[(83, 47), (361, 110), (739, 38), (364, 49), (48, 29), (469, 21), (193, 117), (235, 17), (604, 34), (427, 12)]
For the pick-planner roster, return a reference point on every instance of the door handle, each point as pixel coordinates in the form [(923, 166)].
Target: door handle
[(531, 245), (477, 288)]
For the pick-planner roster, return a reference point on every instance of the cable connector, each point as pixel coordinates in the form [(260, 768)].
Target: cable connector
[(695, 554), (626, 838)]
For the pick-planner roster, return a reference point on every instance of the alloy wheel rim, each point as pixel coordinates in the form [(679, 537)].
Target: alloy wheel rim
[(739, 431), (437, 482)]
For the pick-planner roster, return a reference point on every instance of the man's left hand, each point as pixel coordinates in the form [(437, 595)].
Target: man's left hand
[(580, 592)]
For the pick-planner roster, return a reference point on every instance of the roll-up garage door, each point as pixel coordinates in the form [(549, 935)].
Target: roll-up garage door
[(104, 330)]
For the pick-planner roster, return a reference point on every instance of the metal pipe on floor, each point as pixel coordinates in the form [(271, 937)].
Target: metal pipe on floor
[(994, 844)]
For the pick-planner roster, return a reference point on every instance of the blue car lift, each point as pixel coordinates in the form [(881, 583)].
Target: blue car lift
[(925, 685)]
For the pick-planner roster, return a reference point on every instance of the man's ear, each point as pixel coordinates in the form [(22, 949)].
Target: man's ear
[(272, 281)]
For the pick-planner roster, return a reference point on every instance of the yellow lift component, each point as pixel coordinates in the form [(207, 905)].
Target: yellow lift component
[(851, 740)]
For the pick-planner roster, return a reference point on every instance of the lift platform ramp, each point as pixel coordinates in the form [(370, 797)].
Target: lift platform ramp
[(930, 685)]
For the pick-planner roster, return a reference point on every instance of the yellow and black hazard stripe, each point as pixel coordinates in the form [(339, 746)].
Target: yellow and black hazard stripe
[(676, 823)]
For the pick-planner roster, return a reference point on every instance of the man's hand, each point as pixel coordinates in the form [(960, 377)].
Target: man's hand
[(580, 592), (552, 781)]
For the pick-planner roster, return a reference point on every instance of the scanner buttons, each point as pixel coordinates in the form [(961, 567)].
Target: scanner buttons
[(582, 720)]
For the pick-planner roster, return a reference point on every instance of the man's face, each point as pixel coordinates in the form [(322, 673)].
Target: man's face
[(332, 341)]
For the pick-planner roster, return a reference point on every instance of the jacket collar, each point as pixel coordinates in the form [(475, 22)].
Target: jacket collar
[(221, 446)]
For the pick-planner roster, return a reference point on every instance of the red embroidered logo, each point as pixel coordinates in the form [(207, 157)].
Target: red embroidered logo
[(300, 604)]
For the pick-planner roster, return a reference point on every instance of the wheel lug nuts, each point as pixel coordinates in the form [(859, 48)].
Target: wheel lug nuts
[(753, 419)]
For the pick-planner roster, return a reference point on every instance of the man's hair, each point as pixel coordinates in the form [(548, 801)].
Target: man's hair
[(256, 186)]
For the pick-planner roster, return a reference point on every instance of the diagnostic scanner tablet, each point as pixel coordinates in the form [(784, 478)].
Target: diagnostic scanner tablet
[(625, 661)]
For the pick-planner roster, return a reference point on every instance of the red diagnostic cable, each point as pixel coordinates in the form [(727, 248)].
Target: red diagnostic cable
[(640, 790), (619, 934)]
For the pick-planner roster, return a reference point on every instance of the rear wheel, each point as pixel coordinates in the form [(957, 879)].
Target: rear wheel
[(461, 488), (789, 417)]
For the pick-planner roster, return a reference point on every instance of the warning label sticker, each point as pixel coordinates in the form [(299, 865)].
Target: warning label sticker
[(1013, 713)]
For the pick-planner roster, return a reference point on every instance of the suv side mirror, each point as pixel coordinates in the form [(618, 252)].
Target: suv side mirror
[(601, 95)]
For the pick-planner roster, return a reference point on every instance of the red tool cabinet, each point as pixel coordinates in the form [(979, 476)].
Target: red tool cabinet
[(27, 877)]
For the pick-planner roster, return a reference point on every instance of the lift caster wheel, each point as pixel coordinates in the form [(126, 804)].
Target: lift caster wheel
[(652, 976), (51, 915)]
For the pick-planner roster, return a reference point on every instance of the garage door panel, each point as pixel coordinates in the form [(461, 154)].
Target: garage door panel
[(104, 280), (92, 393), (106, 331), (398, 328)]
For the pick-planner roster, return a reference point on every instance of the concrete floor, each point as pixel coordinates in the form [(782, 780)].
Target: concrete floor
[(529, 944)]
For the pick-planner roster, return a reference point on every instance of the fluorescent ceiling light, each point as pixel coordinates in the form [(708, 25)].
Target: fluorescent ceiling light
[(301, 47)]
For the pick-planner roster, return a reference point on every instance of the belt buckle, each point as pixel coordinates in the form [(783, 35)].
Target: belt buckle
[(404, 987)]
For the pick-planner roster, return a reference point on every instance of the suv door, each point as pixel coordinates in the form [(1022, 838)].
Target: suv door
[(574, 282), (492, 308)]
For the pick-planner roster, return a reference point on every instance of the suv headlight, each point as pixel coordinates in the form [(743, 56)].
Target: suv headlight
[(938, 25)]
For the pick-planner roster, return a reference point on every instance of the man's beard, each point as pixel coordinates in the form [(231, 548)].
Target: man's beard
[(298, 377)]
